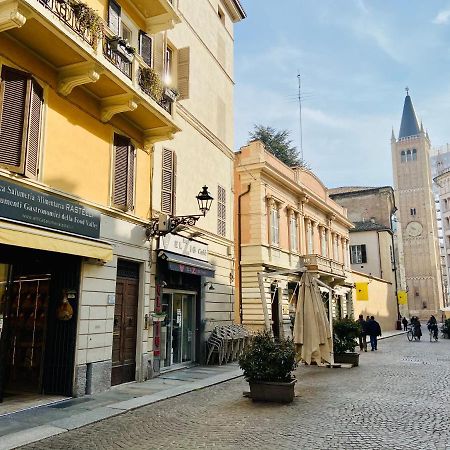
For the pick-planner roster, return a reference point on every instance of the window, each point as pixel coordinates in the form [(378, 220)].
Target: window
[(274, 225), (114, 12), (293, 230), (324, 242), (358, 254), (413, 211), (335, 248), (168, 61), (403, 156), (124, 173), (414, 154), (309, 238), (21, 107), (183, 68), (145, 47), (169, 178), (221, 211)]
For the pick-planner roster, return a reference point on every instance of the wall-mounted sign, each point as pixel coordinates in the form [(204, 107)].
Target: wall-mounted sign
[(362, 292), (184, 246), (36, 208)]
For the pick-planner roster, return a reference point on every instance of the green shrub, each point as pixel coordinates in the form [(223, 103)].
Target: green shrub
[(151, 83), (265, 359), (345, 332)]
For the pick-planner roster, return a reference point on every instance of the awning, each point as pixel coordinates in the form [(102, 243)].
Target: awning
[(36, 238), (180, 263)]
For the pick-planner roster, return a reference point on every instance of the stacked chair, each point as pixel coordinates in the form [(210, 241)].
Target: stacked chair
[(227, 342)]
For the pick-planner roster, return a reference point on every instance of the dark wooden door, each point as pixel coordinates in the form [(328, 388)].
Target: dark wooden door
[(125, 331)]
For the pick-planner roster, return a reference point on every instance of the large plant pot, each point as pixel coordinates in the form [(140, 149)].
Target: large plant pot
[(272, 391), (347, 358)]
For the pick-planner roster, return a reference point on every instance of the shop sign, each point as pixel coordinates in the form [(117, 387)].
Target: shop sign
[(184, 246), (36, 208)]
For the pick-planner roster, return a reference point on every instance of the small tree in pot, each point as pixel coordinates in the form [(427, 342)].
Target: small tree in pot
[(345, 333), (268, 366)]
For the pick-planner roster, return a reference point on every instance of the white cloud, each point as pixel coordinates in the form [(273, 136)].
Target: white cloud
[(443, 17)]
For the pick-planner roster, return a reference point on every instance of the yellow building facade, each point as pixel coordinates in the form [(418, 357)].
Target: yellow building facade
[(87, 93)]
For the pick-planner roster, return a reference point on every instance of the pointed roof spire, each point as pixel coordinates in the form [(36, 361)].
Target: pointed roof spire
[(409, 125), (392, 135), (421, 126)]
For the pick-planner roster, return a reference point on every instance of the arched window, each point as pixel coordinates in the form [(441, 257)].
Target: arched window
[(403, 156), (408, 155), (414, 154)]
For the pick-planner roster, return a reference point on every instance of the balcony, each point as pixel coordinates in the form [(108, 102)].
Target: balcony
[(324, 266), (84, 56), (160, 15)]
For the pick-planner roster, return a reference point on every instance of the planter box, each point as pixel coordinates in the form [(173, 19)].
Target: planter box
[(347, 358), (268, 391)]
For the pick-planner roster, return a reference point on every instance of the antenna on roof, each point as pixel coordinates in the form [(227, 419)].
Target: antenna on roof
[(300, 112), (407, 90)]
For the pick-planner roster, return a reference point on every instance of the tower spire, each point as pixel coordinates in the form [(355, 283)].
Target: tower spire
[(409, 125)]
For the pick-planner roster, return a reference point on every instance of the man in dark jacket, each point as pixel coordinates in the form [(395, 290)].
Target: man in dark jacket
[(405, 324), (373, 330), (362, 333)]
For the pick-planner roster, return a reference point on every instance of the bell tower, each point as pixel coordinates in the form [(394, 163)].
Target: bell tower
[(415, 202)]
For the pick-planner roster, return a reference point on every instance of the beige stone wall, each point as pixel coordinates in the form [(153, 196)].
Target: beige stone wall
[(381, 304)]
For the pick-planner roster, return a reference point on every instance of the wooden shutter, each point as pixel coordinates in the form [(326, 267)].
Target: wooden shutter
[(131, 176), (121, 179), (183, 72), (114, 12), (158, 53), (174, 185), (13, 119), (168, 179), (221, 211), (363, 254), (34, 130), (145, 47)]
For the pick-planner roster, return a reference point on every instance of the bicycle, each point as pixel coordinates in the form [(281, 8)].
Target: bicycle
[(433, 333), (411, 334)]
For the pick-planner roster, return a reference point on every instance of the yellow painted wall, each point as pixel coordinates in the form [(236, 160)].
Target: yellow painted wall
[(382, 302)]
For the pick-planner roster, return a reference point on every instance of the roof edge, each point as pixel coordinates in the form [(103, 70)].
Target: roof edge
[(235, 9)]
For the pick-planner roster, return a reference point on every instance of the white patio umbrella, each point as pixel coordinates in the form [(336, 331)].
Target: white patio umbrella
[(312, 335)]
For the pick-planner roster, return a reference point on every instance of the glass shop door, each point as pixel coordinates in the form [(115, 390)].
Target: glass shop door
[(5, 274), (178, 329)]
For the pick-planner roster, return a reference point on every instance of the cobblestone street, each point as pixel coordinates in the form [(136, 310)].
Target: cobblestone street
[(397, 399)]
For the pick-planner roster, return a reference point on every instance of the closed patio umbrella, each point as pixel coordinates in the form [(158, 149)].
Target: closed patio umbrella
[(312, 336)]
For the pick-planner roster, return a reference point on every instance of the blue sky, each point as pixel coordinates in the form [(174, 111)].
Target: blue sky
[(355, 57)]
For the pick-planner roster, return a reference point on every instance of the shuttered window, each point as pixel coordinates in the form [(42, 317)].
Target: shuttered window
[(169, 181), (358, 254), (114, 12), (183, 72), (21, 103), (124, 173), (158, 53), (145, 47), (221, 211)]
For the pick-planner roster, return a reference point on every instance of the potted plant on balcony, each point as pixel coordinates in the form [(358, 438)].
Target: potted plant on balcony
[(345, 333), (121, 46), (268, 366), (87, 20), (150, 82)]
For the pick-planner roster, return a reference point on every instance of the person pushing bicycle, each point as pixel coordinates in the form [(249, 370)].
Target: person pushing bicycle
[(433, 326)]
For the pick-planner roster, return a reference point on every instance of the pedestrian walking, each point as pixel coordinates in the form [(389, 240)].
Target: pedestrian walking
[(374, 331), (362, 333), (405, 323)]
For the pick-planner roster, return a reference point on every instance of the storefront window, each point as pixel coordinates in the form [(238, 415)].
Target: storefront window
[(4, 270)]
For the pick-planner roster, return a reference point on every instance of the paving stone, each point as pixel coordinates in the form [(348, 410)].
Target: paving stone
[(397, 399)]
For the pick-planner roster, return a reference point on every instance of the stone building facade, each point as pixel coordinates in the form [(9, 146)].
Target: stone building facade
[(415, 202)]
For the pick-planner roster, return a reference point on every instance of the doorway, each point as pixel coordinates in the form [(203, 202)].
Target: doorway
[(178, 328), (125, 323)]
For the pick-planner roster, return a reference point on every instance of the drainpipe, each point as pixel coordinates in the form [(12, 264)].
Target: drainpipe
[(379, 255), (239, 250)]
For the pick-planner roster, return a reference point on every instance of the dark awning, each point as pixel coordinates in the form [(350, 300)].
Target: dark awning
[(184, 264)]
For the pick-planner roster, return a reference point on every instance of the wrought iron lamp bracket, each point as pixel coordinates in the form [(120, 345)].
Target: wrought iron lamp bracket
[(174, 222)]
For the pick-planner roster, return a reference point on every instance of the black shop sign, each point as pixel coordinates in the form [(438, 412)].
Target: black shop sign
[(36, 208)]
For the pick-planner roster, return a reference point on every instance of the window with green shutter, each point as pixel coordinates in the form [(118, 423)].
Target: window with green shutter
[(124, 173), (21, 104)]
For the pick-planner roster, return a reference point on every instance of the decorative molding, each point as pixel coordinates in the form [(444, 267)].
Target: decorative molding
[(11, 16), (117, 104), (75, 75), (153, 135)]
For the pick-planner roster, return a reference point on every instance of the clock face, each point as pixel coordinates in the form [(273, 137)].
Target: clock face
[(414, 229)]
